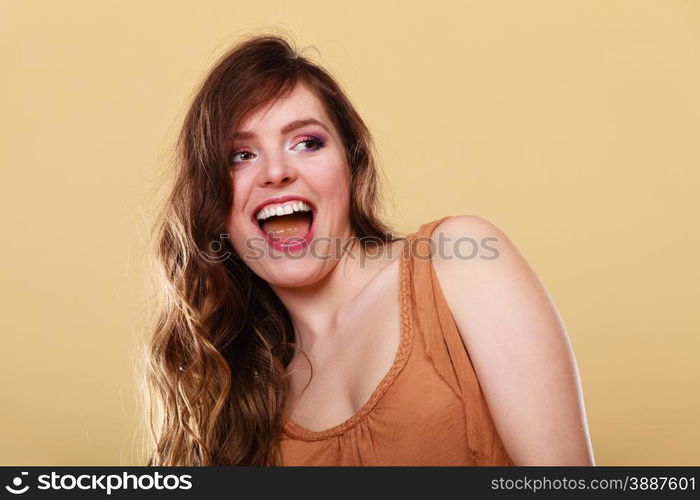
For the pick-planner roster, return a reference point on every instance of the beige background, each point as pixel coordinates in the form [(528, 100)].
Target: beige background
[(571, 125)]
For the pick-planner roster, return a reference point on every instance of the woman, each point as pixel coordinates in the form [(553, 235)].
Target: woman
[(297, 329)]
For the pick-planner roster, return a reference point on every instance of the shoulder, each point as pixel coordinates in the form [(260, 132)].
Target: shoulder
[(481, 272), (469, 242), (516, 342), (461, 222), (458, 226), (483, 275)]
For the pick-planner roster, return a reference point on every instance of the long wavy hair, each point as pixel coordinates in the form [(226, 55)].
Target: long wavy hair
[(215, 371)]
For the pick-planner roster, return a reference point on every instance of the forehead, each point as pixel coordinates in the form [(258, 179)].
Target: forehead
[(301, 103)]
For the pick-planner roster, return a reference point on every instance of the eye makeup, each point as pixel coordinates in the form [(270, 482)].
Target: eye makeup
[(320, 143), (317, 141)]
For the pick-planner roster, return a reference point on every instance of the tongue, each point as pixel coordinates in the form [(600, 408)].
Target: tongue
[(291, 226)]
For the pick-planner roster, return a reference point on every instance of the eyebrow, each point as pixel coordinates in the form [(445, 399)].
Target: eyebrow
[(248, 134)]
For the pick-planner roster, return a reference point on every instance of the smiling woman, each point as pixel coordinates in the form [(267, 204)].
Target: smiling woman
[(289, 147), (320, 336)]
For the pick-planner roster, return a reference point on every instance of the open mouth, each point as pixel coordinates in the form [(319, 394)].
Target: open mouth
[(288, 230), (281, 227)]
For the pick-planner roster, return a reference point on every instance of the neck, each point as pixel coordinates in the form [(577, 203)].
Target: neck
[(318, 309)]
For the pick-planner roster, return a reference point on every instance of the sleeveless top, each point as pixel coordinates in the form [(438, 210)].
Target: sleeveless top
[(429, 408)]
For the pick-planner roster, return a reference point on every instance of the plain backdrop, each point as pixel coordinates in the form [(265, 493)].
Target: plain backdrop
[(571, 125)]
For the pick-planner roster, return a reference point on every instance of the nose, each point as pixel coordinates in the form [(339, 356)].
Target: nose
[(276, 171)]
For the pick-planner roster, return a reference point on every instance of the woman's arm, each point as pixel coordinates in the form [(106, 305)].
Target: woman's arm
[(516, 342)]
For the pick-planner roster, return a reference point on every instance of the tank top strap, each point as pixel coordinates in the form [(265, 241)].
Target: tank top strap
[(428, 302), (444, 345)]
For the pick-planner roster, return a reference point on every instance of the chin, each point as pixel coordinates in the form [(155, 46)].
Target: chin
[(291, 274)]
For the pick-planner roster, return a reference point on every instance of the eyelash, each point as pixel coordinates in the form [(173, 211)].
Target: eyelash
[(319, 144)]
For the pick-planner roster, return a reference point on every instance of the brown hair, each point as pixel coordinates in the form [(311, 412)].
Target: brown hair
[(216, 380)]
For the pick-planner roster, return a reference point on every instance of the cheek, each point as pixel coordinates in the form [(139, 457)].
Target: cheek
[(239, 190), (238, 227), (333, 182)]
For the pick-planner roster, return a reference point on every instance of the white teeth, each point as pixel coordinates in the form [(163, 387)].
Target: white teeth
[(282, 209)]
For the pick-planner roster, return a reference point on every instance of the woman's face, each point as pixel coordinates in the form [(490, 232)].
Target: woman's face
[(289, 148)]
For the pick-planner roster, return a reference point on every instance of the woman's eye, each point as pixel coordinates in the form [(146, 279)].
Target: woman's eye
[(313, 141), (310, 144), (244, 155)]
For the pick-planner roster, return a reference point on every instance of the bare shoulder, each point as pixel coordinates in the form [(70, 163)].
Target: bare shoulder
[(516, 341), (460, 235), (469, 246), (475, 259)]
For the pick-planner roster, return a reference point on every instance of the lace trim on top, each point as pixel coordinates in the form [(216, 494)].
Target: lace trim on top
[(296, 431)]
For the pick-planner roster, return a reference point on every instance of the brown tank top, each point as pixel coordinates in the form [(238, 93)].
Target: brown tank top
[(429, 408)]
